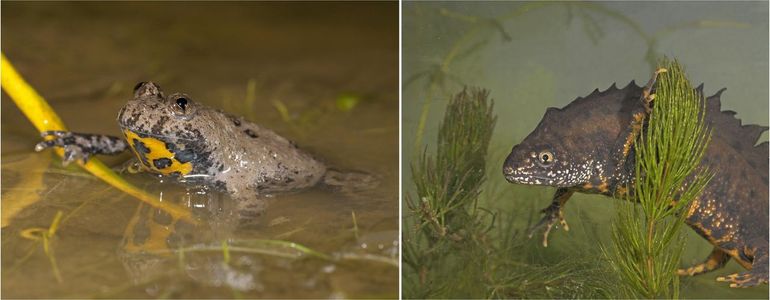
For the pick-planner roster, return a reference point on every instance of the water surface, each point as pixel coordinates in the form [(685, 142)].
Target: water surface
[(283, 66)]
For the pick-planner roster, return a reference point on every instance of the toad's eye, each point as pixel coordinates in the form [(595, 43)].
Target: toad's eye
[(182, 106), (546, 158), (181, 102)]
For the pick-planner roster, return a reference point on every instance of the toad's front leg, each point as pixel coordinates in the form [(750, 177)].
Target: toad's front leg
[(81, 146)]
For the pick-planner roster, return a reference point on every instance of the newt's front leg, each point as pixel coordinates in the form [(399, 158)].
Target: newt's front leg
[(81, 146), (553, 213)]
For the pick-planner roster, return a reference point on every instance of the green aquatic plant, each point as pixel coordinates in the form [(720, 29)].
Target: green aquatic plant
[(448, 184), (668, 177), (456, 248)]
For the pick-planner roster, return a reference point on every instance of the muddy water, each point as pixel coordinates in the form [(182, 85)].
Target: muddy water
[(533, 56), (283, 66)]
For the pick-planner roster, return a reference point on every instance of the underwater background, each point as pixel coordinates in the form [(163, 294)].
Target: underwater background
[(535, 55)]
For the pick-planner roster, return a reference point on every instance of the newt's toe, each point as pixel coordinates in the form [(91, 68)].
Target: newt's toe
[(743, 280)]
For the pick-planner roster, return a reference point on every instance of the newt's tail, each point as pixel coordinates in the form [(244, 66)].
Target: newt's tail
[(349, 181)]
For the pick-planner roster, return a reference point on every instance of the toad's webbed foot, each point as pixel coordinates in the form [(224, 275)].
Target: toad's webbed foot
[(552, 213), (81, 146)]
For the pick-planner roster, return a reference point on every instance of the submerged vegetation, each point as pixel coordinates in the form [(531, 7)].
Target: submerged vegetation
[(449, 184), (457, 248), (668, 177)]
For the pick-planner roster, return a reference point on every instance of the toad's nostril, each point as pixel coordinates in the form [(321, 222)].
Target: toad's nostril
[(138, 85)]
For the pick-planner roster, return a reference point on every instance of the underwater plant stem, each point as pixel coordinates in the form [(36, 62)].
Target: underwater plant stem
[(423, 118), (650, 257)]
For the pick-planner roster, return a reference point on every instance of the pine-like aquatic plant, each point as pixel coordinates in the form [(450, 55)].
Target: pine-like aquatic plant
[(668, 177), (450, 183)]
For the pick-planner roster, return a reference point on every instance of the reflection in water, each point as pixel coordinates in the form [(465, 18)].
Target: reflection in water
[(154, 242)]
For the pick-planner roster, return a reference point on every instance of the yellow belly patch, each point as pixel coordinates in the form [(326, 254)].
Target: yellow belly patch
[(158, 151)]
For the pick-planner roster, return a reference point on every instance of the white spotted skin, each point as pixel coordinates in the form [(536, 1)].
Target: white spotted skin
[(525, 167)]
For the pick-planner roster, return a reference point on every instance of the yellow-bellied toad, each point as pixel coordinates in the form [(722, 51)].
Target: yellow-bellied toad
[(174, 135)]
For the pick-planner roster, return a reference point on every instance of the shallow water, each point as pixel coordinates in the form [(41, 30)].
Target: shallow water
[(535, 56), (85, 58)]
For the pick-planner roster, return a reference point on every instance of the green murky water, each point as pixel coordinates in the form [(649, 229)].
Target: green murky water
[(534, 56), (293, 61)]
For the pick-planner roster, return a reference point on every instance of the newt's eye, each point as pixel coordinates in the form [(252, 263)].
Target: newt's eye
[(546, 158)]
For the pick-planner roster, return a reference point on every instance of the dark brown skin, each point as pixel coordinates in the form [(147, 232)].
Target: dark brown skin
[(587, 147)]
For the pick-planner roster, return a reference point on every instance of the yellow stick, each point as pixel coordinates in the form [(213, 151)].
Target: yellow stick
[(43, 117)]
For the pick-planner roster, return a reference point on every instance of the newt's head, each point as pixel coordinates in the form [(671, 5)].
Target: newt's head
[(543, 158), (575, 144)]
